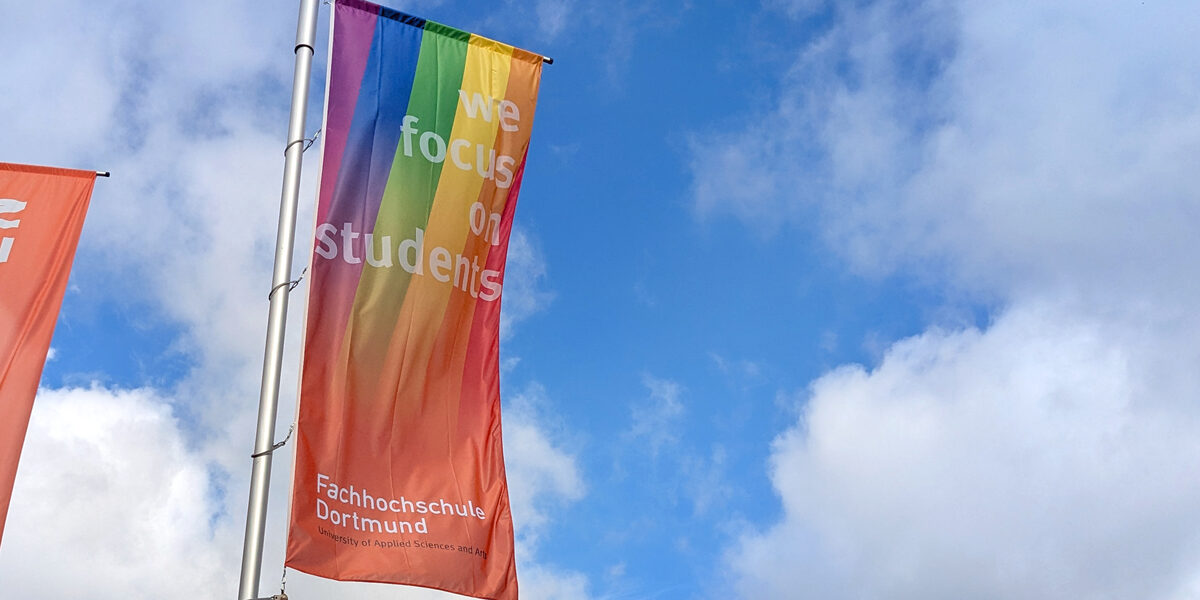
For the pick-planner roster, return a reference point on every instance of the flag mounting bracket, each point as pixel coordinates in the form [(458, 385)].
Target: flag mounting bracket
[(308, 142), (274, 447), (291, 285)]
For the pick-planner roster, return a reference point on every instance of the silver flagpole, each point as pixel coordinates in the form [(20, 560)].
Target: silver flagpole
[(268, 399)]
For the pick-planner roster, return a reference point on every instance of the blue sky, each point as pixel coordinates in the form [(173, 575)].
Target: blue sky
[(805, 299)]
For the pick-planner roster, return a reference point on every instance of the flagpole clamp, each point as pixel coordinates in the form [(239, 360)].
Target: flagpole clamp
[(273, 448), (291, 285), (308, 142)]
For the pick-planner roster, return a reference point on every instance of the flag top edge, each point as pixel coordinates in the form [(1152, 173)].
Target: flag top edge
[(40, 170), (443, 29)]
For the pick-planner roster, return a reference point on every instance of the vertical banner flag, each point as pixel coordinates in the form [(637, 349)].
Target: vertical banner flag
[(399, 474), (41, 215)]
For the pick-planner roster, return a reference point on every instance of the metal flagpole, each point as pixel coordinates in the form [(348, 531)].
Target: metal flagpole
[(268, 400)]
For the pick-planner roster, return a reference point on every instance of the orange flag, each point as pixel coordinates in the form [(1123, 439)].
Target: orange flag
[(41, 214)]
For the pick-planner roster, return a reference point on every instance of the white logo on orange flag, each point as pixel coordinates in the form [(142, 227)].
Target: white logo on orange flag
[(8, 205)]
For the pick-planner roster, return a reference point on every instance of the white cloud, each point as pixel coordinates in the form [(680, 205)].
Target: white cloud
[(797, 8), (553, 16), (656, 421), (658, 448), (112, 502), (541, 474), (742, 369), (1017, 147), (543, 478), (524, 278), (547, 18), (1050, 456), (706, 481), (540, 582), (1041, 156), (99, 88)]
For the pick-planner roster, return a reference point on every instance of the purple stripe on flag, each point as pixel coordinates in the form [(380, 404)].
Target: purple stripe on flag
[(355, 30)]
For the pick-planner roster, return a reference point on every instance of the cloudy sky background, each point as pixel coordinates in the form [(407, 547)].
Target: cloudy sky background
[(805, 299)]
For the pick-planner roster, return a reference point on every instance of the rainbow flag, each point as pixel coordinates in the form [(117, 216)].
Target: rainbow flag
[(399, 472)]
